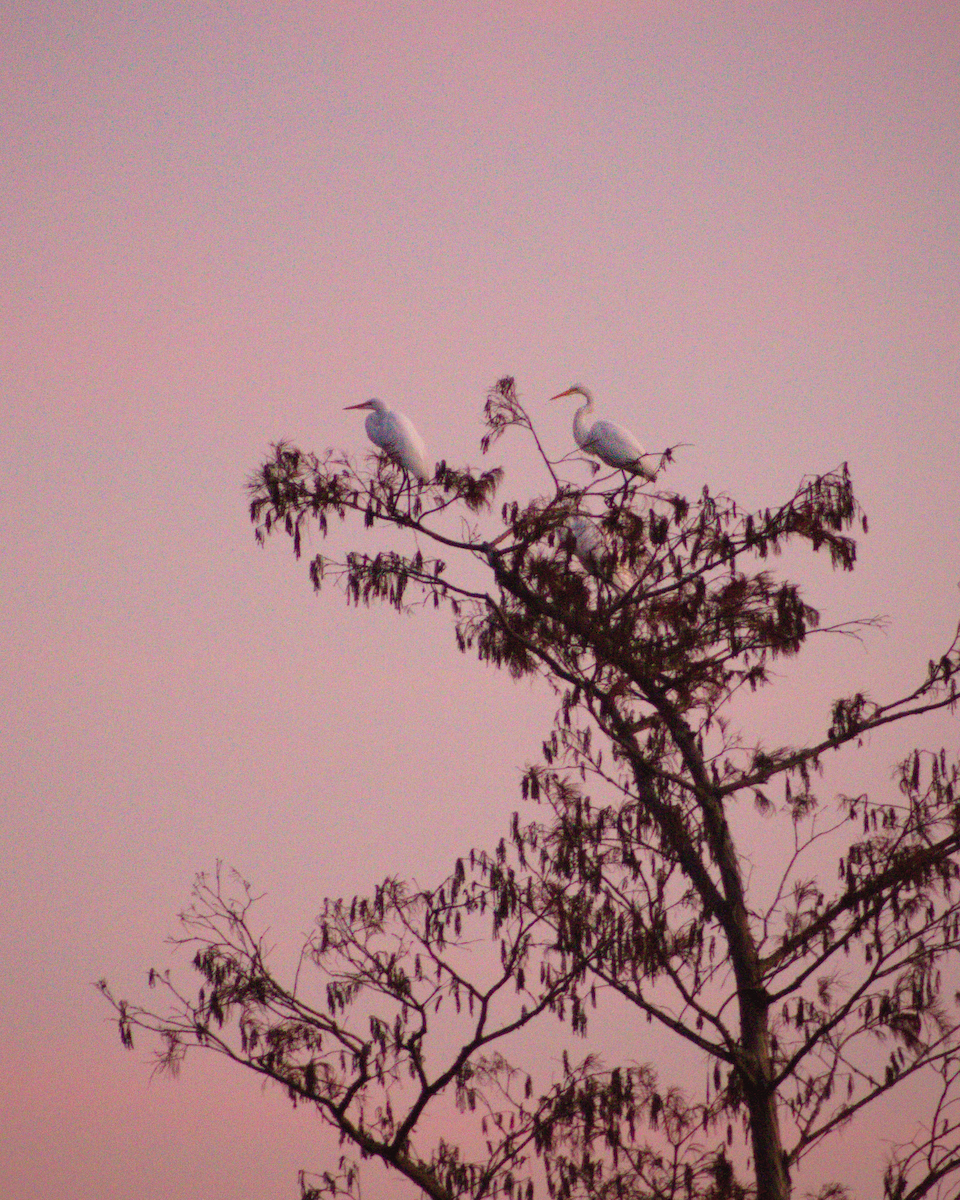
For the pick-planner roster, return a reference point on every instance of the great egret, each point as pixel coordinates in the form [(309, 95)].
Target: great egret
[(395, 435), (588, 543), (590, 547), (612, 444)]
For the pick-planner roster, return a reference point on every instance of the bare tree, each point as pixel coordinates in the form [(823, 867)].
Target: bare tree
[(807, 998)]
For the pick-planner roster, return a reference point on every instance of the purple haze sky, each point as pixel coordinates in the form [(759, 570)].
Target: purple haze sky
[(738, 223)]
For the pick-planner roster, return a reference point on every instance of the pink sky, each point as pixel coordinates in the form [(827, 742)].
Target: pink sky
[(222, 223)]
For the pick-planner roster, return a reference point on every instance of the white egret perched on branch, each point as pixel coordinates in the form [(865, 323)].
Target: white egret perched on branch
[(593, 551), (395, 435), (612, 444)]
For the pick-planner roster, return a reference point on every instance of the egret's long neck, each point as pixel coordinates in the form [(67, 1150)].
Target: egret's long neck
[(580, 427)]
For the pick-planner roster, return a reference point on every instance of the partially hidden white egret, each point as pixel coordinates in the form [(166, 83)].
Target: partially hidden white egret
[(590, 546), (612, 444), (397, 438), (588, 542)]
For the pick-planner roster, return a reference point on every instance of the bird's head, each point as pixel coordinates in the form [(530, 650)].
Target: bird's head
[(375, 405), (576, 390)]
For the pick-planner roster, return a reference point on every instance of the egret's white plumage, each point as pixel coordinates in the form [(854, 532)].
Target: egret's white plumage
[(591, 548), (396, 436), (588, 542), (612, 444)]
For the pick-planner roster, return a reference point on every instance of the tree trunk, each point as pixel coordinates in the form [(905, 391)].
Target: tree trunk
[(773, 1180), (753, 1061)]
